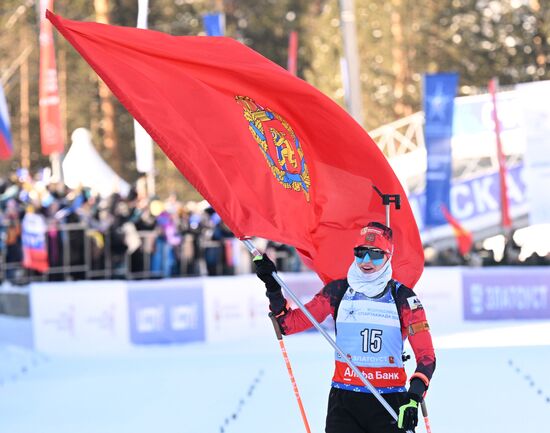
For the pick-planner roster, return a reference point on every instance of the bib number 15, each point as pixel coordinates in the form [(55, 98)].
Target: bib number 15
[(372, 340)]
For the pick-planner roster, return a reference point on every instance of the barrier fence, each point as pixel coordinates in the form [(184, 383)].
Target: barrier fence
[(79, 252), (106, 315)]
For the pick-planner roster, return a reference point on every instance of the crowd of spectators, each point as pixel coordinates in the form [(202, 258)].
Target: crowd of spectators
[(88, 236)]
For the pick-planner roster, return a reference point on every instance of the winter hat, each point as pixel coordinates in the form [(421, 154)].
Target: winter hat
[(376, 235)]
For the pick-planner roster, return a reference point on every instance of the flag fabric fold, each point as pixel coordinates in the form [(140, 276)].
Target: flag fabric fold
[(274, 156)]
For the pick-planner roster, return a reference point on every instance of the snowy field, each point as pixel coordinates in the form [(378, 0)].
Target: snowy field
[(490, 378)]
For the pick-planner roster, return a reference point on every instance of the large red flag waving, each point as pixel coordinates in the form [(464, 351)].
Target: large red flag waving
[(274, 156)]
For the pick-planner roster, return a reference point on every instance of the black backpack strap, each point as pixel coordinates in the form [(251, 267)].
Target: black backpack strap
[(339, 289)]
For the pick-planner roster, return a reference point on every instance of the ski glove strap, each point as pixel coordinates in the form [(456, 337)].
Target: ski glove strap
[(408, 415)]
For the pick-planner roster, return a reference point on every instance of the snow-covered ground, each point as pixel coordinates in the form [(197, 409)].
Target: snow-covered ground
[(490, 378)]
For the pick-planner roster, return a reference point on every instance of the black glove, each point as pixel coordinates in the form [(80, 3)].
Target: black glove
[(264, 269), (408, 412)]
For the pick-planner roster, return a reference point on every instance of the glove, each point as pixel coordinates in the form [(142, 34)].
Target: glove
[(264, 269), (408, 413)]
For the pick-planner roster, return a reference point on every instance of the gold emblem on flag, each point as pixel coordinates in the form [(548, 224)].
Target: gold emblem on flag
[(279, 145)]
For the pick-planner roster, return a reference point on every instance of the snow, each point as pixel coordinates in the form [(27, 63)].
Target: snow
[(490, 377)]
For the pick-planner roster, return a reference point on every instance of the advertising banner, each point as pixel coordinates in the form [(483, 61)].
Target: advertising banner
[(440, 291), (305, 286), (166, 311), (439, 94), (79, 317), (236, 307), (214, 24), (506, 293), (533, 98), (476, 200), (51, 136)]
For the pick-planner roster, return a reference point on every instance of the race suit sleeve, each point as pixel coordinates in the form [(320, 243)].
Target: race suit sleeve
[(323, 303), (414, 326)]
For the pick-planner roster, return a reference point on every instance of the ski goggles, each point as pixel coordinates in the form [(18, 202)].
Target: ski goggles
[(364, 255)]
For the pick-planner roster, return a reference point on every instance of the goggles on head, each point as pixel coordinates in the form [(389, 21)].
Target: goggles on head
[(364, 255)]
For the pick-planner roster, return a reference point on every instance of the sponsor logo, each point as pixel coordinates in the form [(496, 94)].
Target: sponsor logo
[(150, 319), (184, 317), (507, 295), (414, 302)]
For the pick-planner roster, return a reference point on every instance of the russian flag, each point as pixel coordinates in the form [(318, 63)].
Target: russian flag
[(6, 145)]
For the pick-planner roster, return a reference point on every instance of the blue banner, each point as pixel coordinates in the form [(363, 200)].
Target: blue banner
[(439, 94), (166, 312), (213, 24), (505, 293), (476, 200)]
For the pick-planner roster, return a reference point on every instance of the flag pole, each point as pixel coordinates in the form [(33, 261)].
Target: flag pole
[(254, 251)]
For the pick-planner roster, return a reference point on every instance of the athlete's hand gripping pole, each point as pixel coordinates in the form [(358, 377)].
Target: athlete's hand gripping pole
[(344, 357)]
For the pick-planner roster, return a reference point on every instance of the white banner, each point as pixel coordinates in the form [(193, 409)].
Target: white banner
[(534, 99), (235, 307), (80, 317), (440, 291)]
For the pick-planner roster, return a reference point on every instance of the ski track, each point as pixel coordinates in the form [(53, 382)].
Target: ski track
[(490, 377)]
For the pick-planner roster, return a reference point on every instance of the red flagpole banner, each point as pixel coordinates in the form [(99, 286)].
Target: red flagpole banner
[(274, 156), (504, 204), (51, 138), (292, 64), (464, 238)]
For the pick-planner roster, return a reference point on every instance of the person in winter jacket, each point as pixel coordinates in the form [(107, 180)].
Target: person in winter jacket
[(373, 314)]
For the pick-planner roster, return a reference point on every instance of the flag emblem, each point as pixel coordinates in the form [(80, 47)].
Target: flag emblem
[(279, 145)]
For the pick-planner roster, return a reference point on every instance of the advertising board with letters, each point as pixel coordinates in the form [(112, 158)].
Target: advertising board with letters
[(166, 311)]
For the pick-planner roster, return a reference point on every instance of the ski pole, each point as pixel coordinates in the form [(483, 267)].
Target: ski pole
[(289, 369), (425, 415), (324, 333)]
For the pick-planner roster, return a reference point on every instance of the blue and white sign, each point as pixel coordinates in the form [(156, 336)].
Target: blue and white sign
[(501, 294), (476, 200), (439, 94), (167, 311)]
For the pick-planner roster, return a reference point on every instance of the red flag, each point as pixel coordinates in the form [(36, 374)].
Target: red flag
[(274, 156), (464, 238), (50, 116), (506, 221)]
